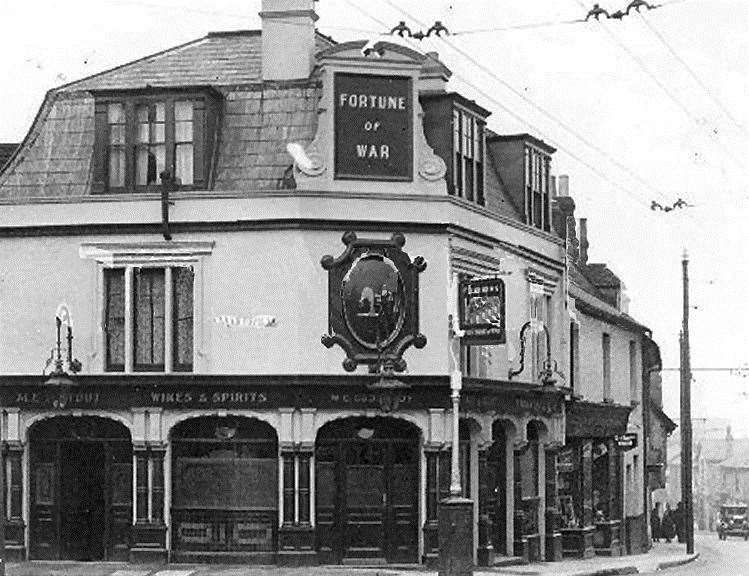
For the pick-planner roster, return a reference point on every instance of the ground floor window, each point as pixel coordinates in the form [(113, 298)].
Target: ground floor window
[(224, 486)]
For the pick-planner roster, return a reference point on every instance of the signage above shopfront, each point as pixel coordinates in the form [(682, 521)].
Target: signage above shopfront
[(373, 127), (482, 310)]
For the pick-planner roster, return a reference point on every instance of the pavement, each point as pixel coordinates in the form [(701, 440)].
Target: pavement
[(662, 556)]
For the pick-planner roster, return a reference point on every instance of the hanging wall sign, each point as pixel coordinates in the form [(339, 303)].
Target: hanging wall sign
[(373, 127), (482, 310), (626, 441), (373, 302)]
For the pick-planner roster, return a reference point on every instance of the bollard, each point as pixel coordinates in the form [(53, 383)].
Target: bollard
[(456, 537)]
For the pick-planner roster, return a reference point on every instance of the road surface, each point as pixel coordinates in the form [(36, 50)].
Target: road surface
[(717, 558)]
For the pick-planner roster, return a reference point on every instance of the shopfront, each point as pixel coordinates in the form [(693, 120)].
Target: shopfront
[(591, 493)]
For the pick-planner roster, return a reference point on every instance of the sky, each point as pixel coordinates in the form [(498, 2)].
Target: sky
[(649, 107)]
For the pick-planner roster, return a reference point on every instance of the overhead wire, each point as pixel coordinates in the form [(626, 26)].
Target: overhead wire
[(539, 108), (528, 26), (637, 198), (641, 64), (693, 74)]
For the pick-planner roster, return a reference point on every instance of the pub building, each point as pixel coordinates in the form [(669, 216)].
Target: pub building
[(266, 261)]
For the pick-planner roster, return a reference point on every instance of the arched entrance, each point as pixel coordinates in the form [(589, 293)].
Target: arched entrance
[(81, 489), (367, 479), (224, 489)]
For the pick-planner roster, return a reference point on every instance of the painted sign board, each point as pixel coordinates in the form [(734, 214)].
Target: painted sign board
[(482, 310), (373, 127)]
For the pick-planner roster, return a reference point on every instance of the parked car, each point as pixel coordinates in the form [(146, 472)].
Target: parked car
[(733, 521)]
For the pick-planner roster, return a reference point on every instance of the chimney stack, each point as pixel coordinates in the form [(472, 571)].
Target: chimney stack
[(434, 75), (288, 38), (564, 185), (583, 240)]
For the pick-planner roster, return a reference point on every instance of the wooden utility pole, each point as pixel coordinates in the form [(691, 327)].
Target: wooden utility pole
[(686, 413)]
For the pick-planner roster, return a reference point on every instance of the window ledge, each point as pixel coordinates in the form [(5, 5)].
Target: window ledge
[(145, 253)]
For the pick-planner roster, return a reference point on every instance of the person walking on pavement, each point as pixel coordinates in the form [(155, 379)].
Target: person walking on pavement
[(679, 521), (668, 526), (655, 524)]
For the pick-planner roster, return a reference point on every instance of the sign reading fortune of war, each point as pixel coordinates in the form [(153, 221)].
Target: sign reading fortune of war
[(373, 302), (373, 127)]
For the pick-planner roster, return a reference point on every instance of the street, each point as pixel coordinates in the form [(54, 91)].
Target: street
[(717, 557)]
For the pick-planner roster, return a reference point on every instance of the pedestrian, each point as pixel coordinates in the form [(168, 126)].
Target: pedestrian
[(655, 524), (668, 526), (679, 521)]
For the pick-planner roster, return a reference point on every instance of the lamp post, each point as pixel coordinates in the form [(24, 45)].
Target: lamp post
[(455, 531)]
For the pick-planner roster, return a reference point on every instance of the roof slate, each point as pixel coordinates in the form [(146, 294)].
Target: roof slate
[(218, 59)]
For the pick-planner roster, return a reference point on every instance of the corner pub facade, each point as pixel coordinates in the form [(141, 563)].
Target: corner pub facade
[(238, 278)]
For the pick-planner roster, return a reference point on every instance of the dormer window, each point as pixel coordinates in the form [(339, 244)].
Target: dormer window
[(139, 137), (455, 128), (468, 157), (537, 212), (525, 168)]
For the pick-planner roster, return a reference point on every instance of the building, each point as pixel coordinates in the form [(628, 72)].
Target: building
[(601, 480), (717, 469), (659, 427), (242, 277)]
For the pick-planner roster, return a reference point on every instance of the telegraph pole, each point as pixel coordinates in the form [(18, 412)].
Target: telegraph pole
[(686, 413)]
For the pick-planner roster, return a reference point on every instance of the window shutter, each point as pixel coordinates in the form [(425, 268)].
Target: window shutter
[(101, 135), (199, 143)]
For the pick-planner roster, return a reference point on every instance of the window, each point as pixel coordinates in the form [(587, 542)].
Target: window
[(139, 137), (633, 371), (468, 156), (158, 315), (537, 166), (606, 350)]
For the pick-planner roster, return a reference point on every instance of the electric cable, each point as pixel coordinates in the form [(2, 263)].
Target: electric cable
[(564, 125), (693, 74)]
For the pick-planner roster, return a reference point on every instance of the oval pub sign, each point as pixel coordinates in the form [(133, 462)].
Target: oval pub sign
[(373, 300)]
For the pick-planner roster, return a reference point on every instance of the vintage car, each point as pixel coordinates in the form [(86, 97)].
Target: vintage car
[(733, 521)]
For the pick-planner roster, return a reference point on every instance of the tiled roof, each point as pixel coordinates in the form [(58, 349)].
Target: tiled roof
[(6, 151), (259, 119), (218, 59)]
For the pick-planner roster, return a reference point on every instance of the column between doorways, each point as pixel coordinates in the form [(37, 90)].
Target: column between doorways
[(149, 527)]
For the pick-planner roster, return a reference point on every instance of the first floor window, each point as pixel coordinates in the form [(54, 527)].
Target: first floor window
[(155, 307)]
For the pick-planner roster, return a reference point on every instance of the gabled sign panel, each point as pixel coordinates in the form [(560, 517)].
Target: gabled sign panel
[(373, 127)]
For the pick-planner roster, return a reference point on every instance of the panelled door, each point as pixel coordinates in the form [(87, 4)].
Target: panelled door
[(367, 497)]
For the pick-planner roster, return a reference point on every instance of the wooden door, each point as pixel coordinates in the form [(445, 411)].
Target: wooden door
[(402, 514), (365, 506), (45, 542)]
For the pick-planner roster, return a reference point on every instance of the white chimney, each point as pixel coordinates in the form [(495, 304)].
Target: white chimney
[(288, 38), (564, 185)]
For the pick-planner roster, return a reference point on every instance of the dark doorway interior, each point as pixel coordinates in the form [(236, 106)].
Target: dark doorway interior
[(82, 510)]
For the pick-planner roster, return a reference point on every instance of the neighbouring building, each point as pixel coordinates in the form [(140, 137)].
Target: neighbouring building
[(718, 475), (240, 278), (601, 488), (658, 426)]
